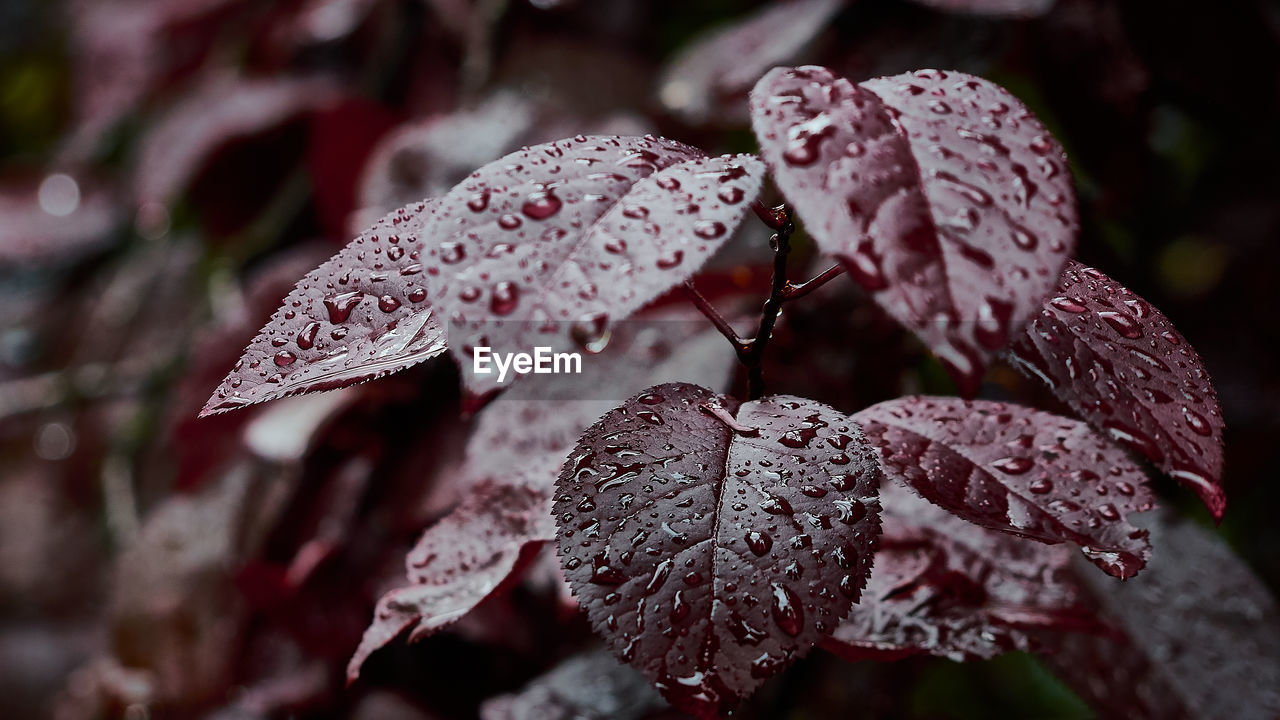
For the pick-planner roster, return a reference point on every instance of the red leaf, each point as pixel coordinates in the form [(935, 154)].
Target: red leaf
[(712, 551), (459, 562), (359, 316), (590, 685), (716, 66), (1013, 8), (1120, 364), (223, 109), (57, 221), (945, 198), (1202, 635), (1018, 470), (947, 587), (427, 158), (547, 246)]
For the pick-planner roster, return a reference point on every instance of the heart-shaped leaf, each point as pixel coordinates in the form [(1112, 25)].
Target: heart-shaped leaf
[(459, 562), (361, 315), (1120, 364), (1023, 471), (947, 587), (702, 81), (940, 192), (712, 550), (548, 245)]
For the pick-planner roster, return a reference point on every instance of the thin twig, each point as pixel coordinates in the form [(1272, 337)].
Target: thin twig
[(704, 305), (781, 243), (794, 291)]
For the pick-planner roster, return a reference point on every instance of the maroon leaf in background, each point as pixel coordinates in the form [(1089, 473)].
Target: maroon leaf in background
[(725, 62), (1203, 635), (947, 587), (361, 315), (547, 414), (547, 246), (124, 49), (1119, 362), (940, 192), (589, 686), (711, 551), (459, 562), (1013, 8), (1022, 471), (221, 110), (58, 220), (427, 158)]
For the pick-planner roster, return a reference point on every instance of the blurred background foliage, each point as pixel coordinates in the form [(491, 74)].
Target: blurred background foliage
[(168, 169)]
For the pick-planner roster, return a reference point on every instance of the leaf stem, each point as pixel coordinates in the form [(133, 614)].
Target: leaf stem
[(740, 344), (754, 356), (794, 291)]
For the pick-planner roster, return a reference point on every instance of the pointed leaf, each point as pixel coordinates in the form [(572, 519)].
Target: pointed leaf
[(548, 245), (716, 66), (458, 562), (1120, 364), (361, 315), (943, 195), (1202, 635), (1022, 471), (947, 587), (712, 551)]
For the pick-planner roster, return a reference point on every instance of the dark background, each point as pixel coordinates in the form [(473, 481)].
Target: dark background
[(112, 333)]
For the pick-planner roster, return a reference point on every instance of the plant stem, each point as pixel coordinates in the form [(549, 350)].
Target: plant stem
[(794, 291), (740, 344), (751, 350), (754, 356)]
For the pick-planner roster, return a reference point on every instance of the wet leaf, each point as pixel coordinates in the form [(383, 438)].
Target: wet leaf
[(1012, 8), (1022, 471), (590, 686), (1119, 363), (361, 315), (713, 543), (221, 110), (940, 192), (947, 587), (703, 79), (1202, 635), (460, 561), (549, 245)]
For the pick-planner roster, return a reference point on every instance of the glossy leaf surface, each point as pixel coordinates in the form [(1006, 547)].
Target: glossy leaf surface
[(547, 246), (361, 315), (1120, 364), (712, 543), (941, 193), (1022, 471)]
